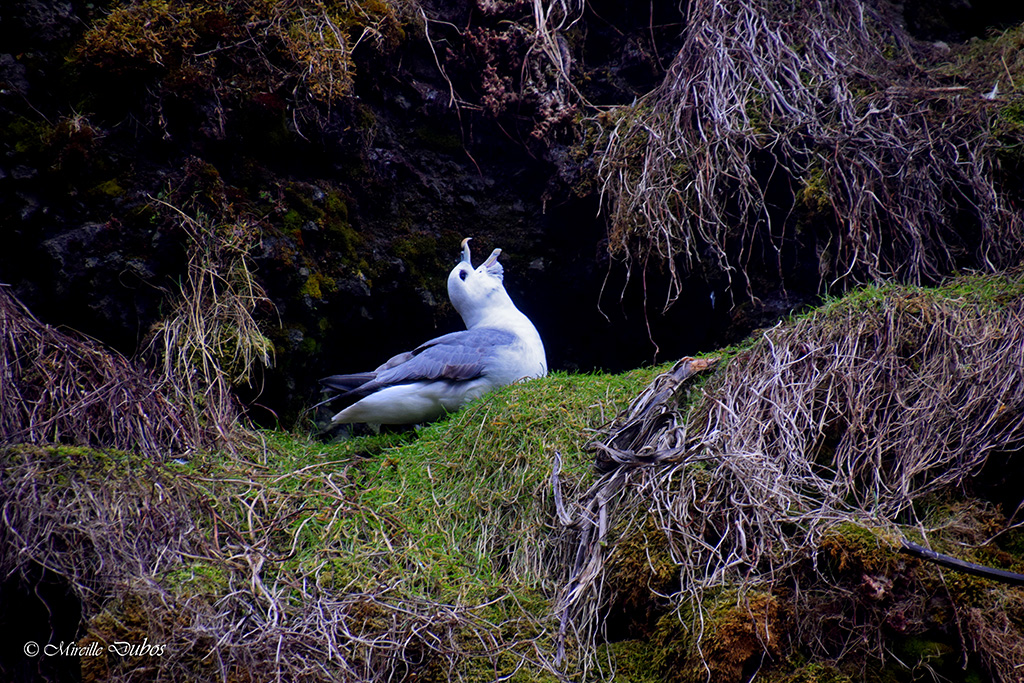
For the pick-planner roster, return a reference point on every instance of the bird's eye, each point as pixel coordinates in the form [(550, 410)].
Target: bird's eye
[(462, 275)]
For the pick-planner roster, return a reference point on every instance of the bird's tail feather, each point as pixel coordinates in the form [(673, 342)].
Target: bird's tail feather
[(346, 383), (341, 386)]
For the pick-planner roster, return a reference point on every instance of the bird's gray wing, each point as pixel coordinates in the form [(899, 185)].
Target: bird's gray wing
[(395, 360), (457, 356)]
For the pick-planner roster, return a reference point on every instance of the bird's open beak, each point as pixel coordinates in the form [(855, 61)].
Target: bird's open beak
[(492, 259), (465, 252)]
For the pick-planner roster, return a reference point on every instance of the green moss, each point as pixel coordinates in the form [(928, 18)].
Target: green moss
[(1008, 131), (979, 291), (814, 192), (318, 283), (631, 127), (297, 198), (814, 213), (423, 260), (481, 474), (454, 517), (79, 463), (143, 35), (309, 346), (974, 533), (984, 292), (640, 570), (1013, 543), (342, 237), (1010, 121), (329, 214), (27, 136), (456, 513), (808, 673), (184, 45), (634, 661), (110, 189), (196, 579), (335, 208), (292, 221), (439, 140), (853, 549), (732, 637), (321, 44)]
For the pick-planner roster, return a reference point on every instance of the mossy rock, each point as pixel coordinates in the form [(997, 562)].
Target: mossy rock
[(640, 571), (850, 549), (812, 672), (734, 637), (137, 632)]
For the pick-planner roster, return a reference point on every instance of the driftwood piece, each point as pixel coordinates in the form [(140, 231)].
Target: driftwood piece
[(649, 429)]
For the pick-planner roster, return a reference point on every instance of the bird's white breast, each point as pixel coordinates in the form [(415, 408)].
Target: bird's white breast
[(414, 403), (523, 360)]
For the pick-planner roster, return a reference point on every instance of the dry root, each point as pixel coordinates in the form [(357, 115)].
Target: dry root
[(802, 130)]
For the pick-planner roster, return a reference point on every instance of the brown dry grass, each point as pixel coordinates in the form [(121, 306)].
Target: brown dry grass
[(61, 387), (211, 342), (847, 418)]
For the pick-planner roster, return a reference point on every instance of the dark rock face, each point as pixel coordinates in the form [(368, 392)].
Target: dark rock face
[(361, 175), (40, 607), (39, 22), (957, 20), (361, 201)]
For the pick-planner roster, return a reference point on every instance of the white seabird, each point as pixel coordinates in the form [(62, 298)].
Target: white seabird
[(499, 346)]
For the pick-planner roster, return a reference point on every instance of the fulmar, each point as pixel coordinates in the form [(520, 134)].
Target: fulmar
[(499, 346)]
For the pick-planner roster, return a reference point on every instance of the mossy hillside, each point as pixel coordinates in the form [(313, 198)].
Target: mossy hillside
[(861, 581), (856, 550), (981, 292), (641, 572), (92, 520), (456, 517), (67, 467), (920, 612), (813, 672), (473, 492), (449, 531)]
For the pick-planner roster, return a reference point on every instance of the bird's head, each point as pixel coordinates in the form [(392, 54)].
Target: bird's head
[(474, 292)]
